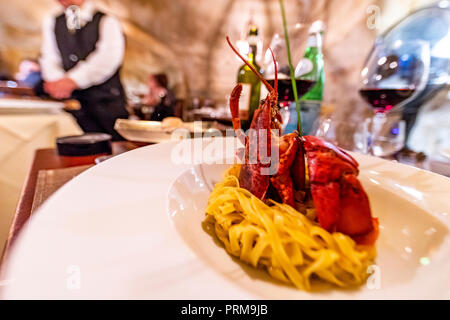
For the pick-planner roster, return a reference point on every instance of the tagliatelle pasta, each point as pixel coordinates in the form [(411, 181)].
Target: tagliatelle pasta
[(290, 246)]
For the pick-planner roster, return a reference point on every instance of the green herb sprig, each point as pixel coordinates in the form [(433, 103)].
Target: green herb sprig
[(291, 69)]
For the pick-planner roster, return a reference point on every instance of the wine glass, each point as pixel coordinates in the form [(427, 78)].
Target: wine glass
[(348, 135), (306, 74), (392, 76)]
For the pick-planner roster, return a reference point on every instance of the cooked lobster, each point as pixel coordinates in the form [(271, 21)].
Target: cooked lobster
[(340, 201)]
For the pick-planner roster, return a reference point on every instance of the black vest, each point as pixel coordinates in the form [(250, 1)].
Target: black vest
[(77, 46)]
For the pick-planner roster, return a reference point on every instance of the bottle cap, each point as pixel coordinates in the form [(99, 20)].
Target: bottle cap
[(84, 145), (317, 27)]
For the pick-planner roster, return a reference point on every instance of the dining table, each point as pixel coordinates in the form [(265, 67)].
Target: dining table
[(26, 124), (47, 173)]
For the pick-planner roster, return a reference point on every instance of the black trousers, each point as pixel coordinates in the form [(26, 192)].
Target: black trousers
[(100, 116)]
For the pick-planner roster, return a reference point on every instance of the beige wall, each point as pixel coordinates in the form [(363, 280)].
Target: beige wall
[(185, 38)]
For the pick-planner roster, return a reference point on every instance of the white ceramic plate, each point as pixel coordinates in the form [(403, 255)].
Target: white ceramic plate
[(10, 105), (155, 132), (131, 227)]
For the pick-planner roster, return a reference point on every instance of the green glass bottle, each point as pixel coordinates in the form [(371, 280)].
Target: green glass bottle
[(313, 53), (251, 85), (311, 102)]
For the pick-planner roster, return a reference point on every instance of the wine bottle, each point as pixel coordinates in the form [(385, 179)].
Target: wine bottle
[(251, 85)]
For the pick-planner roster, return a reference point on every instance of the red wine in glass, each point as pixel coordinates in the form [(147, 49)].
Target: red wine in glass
[(383, 100), (285, 92)]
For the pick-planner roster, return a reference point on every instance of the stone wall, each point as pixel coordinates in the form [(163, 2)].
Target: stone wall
[(186, 39)]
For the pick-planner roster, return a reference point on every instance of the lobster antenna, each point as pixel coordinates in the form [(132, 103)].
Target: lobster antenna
[(275, 84), (268, 86)]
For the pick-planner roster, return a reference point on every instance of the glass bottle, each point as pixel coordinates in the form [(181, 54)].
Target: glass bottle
[(251, 85)]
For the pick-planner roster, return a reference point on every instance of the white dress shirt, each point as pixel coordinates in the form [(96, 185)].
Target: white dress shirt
[(99, 66)]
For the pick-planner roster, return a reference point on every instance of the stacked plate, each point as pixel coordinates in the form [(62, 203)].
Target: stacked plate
[(19, 106), (156, 131)]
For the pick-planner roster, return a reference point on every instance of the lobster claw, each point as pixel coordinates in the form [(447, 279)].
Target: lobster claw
[(288, 146), (234, 109), (257, 146), (354, 218), (298, 167), (341, 203), (313, 143)]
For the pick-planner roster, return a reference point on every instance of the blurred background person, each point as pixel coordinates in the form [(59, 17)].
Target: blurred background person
[(30, 75), (160, 97), (82, 53)]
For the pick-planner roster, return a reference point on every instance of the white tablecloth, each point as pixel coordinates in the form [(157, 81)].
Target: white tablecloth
[(20, 136)]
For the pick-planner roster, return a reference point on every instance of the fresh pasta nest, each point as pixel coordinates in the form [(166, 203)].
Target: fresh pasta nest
[(274, 236)]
